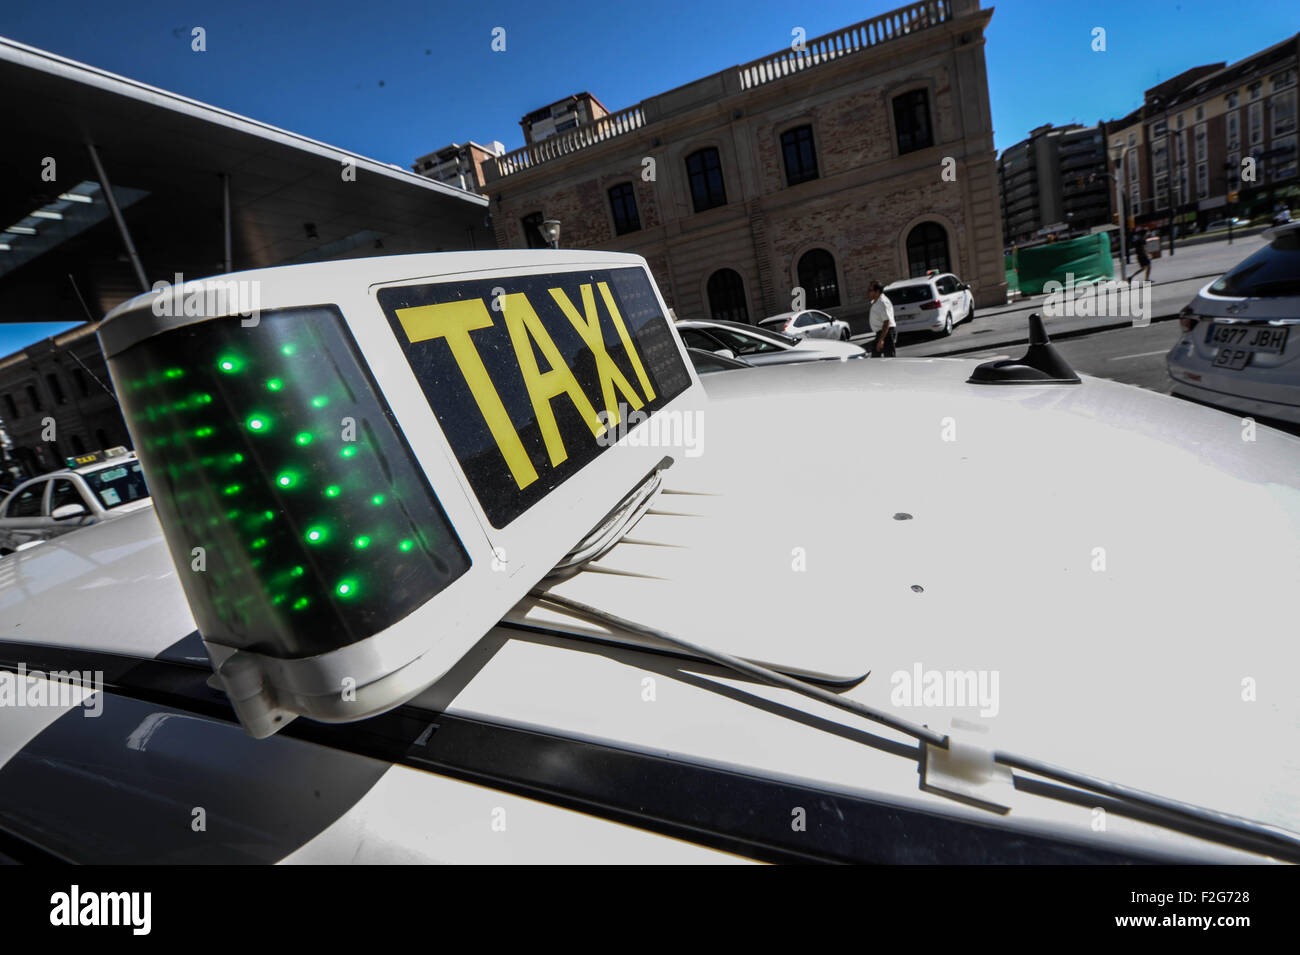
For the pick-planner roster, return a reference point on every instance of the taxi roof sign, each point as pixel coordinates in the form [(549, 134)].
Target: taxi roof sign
[(359, 476)]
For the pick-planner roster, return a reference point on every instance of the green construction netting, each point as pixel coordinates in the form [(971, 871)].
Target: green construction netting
[(1087, 257)]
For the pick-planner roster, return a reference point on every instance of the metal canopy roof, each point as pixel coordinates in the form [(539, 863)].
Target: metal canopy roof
[(175, 150)]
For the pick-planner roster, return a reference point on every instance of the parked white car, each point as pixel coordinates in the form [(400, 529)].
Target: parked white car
[(760, 346), (808, 323), (63, 501), (1240, 348), (932, 303)]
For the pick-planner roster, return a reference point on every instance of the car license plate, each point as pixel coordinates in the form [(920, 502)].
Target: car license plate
[(1251, 338), (1232, 358)]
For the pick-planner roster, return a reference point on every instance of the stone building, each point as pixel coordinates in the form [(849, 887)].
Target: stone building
[(1055, 180), (63, 380), (865, 154)]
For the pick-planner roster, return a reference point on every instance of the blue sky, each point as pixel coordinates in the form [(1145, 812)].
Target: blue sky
[(393, 79)]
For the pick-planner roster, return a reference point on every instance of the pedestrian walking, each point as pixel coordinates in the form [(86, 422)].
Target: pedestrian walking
[(1144, 260), (882, 320)]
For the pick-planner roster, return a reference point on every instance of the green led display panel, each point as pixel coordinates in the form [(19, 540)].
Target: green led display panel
[(271, 448)]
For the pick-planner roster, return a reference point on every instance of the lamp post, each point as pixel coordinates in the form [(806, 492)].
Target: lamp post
[(1118, 176), (551, 232)]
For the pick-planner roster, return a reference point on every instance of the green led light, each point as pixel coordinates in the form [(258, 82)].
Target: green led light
[(232, 514), (320, 401), (300, 603), (236, 458), (406, 545), (258, 544), (287, 479), (258, 423), (377, 500), (202, 432), (233, 489), (268, 514), (346, 588), (230, 364), (288, 349), (316, 535), (303, 437), (332, 491), (173, 373), (348, 452), (204, 399), (296, 572), (274, 384), (362, 542)]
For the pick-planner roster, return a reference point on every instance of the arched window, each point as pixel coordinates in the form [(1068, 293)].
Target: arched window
[(727, 296), (927, 248), (817, 278)]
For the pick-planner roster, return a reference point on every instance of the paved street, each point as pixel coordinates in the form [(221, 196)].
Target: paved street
[(1175, 280)]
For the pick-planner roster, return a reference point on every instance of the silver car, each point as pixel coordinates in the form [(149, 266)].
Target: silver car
[(1240, 346), (759, 346), (63, 501), (807, 323)]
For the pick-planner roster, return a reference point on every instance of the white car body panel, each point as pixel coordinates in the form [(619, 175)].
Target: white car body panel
[(1003, 536)]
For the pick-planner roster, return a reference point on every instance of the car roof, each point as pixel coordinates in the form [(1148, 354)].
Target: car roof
[(919, 280)]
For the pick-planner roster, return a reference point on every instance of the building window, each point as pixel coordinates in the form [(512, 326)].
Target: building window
[(78, 447), (912, 121), (1256, 90), (1179, 124), (1200, 144), (622, 200), (34, 398), (1234, 130), (1255, 122), (927, 248), (1233, 99), (1284, 113), (56, 389), (83, 386), (727, 296), (12, 406), (1202, 181), (532, 224), (1132, 139), (704, 169), (1200, 113), (816, 271), (800, 155)]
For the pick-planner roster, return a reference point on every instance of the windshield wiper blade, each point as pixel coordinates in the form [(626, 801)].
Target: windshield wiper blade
[(1172, 814)]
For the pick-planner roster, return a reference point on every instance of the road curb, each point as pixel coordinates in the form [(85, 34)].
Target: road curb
[(1024, 339)]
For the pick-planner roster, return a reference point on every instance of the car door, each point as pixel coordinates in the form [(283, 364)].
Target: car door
[(950, 295), (810, 325), (64, 491), (24, 517)]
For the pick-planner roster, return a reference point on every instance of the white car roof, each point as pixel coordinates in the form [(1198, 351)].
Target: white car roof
[(1173, 722)]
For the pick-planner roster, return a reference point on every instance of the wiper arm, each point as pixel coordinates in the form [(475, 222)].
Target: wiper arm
[(1172, 814)]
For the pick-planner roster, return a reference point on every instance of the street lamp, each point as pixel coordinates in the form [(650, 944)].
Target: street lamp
[(1118, 176), (551, 232)]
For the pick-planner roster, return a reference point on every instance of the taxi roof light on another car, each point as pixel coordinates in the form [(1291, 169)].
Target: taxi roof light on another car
[(342, 542)]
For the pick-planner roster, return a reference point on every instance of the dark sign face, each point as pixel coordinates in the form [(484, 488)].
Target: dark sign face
[(528, 374)]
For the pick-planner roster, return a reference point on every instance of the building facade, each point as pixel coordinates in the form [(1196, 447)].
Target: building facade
[(458, 165), (865, 155), (58, 389), (1216, 141), (1055, 181)]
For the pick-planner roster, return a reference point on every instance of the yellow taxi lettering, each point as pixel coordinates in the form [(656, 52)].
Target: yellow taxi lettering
[(454, 321), (589, 328), (627, 342), (523, 324)]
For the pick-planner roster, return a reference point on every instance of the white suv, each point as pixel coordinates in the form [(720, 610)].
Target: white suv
[(931, 303), (1240, 347)]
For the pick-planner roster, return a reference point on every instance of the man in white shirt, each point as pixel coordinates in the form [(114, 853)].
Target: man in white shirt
[(882, 320)]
